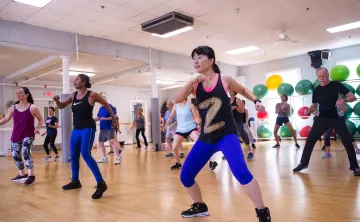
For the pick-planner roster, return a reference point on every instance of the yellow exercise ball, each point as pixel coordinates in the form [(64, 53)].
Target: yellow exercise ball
[(274, 81)]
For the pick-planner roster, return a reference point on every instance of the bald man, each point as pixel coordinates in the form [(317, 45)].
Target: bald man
[(326, 101)]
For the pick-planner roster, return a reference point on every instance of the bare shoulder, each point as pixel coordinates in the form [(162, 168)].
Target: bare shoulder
[(94, 94), (33, 109)]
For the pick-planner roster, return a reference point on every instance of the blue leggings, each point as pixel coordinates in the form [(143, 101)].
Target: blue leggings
[(201, 152), (81, 142)]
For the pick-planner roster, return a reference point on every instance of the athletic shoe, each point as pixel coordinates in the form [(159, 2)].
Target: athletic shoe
[(57, 158), (213, 165), (30, 180), (103, 160), (300, 167), (196, 210), (253, 146), (357, 171), (169, 155), (182, 155), (250, 156), (276, 146), (19, 178), (326, 155), (110, 152), (297, 146), (357, 152), (74, 184), (138, 147), (263, 214), (176, 166), (100, 189), (47, 158), (117, 161)]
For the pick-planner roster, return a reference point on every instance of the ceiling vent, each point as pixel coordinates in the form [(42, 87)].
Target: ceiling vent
[(167, 23)]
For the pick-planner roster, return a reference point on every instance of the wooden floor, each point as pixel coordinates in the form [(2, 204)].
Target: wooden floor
[(144, 189)]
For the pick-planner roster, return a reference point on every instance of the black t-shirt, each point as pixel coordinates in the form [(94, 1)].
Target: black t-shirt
[(326, 97), (51, 120)]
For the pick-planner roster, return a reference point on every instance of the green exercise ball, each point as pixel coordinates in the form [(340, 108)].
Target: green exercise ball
[(339, 73), (285, 131), (349, 88), (358, 70), (285, 88), (351, 127), (260, 91), (356, 109), (358, 129), (291, 113), (358, 90), (264, 131), (304, 87), (348, 111), (316, 83)]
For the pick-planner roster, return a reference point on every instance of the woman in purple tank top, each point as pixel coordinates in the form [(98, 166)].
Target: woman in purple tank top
[(23, 134)]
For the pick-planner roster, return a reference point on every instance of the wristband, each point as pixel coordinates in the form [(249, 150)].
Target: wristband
[(257, 100)]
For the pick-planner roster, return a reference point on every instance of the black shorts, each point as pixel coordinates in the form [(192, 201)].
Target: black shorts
[(186, 135), (282, 120)]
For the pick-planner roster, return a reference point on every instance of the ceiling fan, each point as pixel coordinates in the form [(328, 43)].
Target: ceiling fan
[(283, 37)]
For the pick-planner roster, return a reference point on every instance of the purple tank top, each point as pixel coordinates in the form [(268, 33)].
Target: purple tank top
[(23, 125)]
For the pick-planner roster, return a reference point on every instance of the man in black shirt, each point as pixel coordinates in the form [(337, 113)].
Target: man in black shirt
[(326, 97)]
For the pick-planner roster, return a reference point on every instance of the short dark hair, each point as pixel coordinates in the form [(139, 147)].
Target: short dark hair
[(85, 78), (52, 108), (286, 97)]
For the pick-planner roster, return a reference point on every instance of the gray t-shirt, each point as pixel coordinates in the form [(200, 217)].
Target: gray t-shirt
[(281, 113), (139, 122)]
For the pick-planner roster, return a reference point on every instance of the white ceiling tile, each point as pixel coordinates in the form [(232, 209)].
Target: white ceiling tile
[(160, 10), (176, 4), (196, 9), (96, 5), (71, 23), (45, 18), (257, 3), (80, 3), (61, 7), (342, 8), (120, 2), (144, 17), (142, 5), (17, 12), (88, 14), (123, 23), (347, 35), (37, 21), (124, 12), (4, 3), (228, 5)]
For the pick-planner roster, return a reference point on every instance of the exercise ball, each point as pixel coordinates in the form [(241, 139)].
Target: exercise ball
[(304, 87), (349, 88), (274, 81), (285, 88), (285, 131), (302, 112), (262, 115), (358, 70), (304, 132), (348, 111), (358, 90), (358, 129), (356, 109), (264, 131), (316, 83), (291, 112), (339, 73), (351, 127), (260, 91)]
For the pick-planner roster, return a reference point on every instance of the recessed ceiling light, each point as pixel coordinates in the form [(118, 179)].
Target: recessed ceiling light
[(36, 3), (345, 27), (75, 73), (165, 82), (242, 50), (176, 32)]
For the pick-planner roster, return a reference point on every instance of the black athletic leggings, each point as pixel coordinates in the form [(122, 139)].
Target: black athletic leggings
[(50, 139), (142, 130), (321, 124)]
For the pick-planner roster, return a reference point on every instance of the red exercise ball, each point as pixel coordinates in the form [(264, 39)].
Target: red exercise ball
[(262, 115), (302, 111), (304, 132)]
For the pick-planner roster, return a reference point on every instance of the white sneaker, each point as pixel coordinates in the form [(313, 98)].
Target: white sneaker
[(117, 161), (47, 158), (57, 158), (103, 160)]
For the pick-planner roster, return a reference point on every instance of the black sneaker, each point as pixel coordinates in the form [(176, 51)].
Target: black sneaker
[(30, 180), (357, 171), (297, 146), (110, 152), (253, 146), (276, 146), (19, 178), (176, 166), (196, 210), (300, 167), (169, 155), (263, 214), (213, 165), (74, 184), (182, 155), (100, 189)]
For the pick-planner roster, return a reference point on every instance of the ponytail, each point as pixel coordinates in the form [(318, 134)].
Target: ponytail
[(85, 78), (216, 68)]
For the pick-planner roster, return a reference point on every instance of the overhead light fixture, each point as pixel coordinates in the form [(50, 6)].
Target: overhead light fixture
[(36, 3), (242, 50), (165, 82), (176, 32), (345, 27), (75, 73)]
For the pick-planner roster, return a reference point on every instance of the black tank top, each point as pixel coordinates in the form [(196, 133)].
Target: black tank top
[(82, 112), (215, 112), (243, 116), (236, 114)]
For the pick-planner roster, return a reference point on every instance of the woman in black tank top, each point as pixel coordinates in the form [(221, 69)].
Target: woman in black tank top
[(218, 131), (82, 137)]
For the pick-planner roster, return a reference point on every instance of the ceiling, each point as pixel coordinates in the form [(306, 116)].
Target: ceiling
[(223, 25)]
